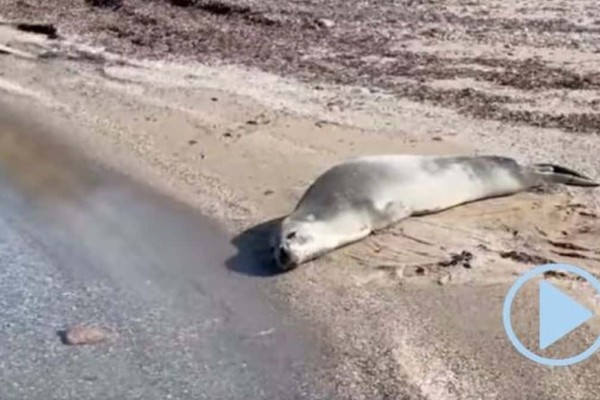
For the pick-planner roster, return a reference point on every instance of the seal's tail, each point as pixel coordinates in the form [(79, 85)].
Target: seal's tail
[(550, 173)]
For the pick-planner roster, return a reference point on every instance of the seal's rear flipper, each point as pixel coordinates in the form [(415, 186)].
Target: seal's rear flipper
[(551, 173)]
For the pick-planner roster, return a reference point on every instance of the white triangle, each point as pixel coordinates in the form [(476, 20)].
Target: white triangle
[(559, 314)]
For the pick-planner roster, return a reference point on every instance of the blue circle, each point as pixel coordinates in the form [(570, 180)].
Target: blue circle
[(553, 362)]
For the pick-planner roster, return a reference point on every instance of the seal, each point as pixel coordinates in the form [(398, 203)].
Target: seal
[(362, 195)]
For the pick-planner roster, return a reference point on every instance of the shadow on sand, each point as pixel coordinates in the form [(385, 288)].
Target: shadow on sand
[(253, 251)]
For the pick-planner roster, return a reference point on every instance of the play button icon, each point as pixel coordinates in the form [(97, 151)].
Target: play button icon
[(559, 314)]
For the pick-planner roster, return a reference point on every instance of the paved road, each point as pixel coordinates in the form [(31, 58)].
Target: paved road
[(81, 245)]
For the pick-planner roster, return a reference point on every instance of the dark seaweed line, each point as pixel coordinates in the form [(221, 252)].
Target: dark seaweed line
[(282, 48), (481, 105)]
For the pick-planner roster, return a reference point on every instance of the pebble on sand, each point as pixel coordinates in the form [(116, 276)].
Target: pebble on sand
[(326, 23), (82, 335)]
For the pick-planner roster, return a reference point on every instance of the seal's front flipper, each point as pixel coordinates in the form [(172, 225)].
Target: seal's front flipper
[(550, 173), (390, 213)]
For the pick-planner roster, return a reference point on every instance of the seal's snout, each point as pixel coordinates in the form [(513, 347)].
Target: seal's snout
[(284, 259), (289, 245), (283, 256)]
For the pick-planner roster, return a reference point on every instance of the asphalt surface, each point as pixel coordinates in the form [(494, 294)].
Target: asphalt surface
[(83, 245)]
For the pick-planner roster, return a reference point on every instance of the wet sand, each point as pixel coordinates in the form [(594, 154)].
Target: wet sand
[(84, 244)]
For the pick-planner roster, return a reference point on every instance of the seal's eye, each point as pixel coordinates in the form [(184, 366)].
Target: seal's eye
[(290, 235)]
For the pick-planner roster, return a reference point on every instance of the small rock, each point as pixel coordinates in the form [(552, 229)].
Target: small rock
[(214, 99), (436, 139), (525, 258), (268, 192), (113, 4), (266, 332), (326, 23), (40, 28), (81, 335), (555, 274), (227, 135), (464, 259), (184, 3), (444, 280), (192, 142)]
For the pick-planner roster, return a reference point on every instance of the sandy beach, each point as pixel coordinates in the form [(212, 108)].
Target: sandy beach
[(234, 108)]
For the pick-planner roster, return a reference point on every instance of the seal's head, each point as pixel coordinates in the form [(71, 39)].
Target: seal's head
[(299, 241)]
